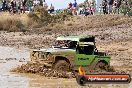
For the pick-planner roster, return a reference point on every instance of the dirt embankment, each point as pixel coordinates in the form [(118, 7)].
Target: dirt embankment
[(106, 28)]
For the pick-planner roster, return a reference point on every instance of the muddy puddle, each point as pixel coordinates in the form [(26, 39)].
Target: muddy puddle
[(13, 57)]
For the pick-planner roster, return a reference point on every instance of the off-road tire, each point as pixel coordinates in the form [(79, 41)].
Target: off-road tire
[(100, 67), (110, 68), (62, 65)]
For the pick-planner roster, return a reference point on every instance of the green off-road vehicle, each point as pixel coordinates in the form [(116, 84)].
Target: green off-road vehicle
[(70, 52)]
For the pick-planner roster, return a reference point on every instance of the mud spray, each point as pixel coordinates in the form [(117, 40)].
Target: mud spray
[(36, 68)]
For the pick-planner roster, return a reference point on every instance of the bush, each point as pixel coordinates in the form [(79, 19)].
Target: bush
[(11, 25), (126, 7), (34, 17), (42, 17)]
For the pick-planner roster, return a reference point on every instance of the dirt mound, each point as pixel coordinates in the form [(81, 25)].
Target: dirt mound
[(37, 68)]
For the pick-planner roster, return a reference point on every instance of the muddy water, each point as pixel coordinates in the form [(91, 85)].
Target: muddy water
[(12, 57)]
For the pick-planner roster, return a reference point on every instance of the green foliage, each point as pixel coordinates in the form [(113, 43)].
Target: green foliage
[(40, 15), (33, 16), (126, 7)]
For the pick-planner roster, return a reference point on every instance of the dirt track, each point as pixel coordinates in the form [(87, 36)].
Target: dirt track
[(115, 40)]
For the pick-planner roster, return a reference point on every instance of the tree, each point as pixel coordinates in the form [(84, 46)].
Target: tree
[(126, 7)]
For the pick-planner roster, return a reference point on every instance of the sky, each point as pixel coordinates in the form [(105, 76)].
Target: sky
[(59, 4)]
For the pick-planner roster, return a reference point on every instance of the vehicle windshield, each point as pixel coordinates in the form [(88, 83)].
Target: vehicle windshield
[(65, 44)]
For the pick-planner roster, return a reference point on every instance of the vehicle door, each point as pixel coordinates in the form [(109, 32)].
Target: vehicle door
[(84, 55)]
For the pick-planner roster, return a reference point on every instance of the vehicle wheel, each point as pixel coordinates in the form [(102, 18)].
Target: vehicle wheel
[(62, 65), (100, 67), (81, 80), (110, 68)]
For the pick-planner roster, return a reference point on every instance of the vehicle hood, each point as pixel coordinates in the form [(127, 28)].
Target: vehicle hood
[(55, 50)]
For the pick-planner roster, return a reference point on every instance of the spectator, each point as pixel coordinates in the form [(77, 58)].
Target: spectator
[(30, 5), (19, 6), (86, 11), (81, 10), (87, 3), (45, 5), (51, 10), (4, 5), (100, 8), (70, 8), (74, 8), (110, 3), (104, 6), (13, 6), (36, 3), (75, 4), (118, 5), (9, 7), (24, 5), (70, 5), (90, 10), (115, 6)]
